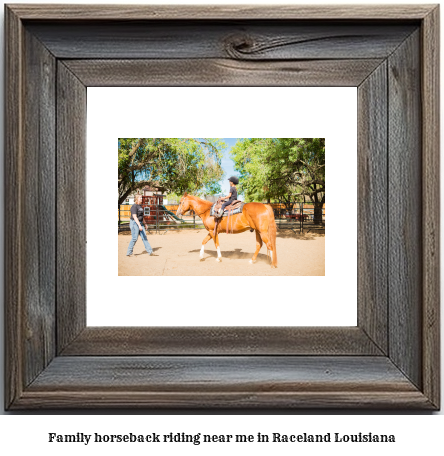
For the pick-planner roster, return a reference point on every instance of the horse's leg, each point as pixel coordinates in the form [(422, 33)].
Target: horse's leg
[(258, 247), (207, 238), (264, 223), (216, 243), (267, 242)]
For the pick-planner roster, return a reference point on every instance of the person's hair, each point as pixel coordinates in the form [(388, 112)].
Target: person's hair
[(137, 197)]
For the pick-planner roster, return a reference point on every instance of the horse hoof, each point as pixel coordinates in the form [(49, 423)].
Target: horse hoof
[(219, 260), (202, 259), (252, 262)]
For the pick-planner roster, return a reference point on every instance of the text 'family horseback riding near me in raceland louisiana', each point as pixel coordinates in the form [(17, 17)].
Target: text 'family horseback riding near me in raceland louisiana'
[(198, 438)]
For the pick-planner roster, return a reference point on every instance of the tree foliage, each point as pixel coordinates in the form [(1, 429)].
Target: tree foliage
[(170, 164), (283, 169)]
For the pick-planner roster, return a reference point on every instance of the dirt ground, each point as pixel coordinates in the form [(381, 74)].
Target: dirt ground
[(176, 253)]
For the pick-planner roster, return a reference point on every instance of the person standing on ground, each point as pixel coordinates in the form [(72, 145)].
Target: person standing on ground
[(136, 226)]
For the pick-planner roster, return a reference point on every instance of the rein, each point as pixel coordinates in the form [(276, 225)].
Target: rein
[(206, 210), (203, 212)]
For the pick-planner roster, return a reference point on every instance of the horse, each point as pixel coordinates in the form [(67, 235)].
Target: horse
[(254, 217)]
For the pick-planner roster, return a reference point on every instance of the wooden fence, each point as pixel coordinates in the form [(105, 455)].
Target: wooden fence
[(300, 217)]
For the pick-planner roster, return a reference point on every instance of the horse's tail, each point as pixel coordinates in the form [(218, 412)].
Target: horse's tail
[(272, 234)]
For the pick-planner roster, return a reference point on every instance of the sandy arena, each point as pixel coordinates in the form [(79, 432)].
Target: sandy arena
[(176, 253)]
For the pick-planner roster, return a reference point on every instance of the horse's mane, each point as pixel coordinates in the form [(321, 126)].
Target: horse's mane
[(200, 199)]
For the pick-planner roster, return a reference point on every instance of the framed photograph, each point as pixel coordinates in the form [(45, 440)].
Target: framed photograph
[(390, 359)]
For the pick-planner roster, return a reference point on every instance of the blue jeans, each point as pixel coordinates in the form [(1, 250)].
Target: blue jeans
[(135, 232)]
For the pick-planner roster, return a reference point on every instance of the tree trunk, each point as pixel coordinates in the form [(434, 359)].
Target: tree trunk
[(288, 205), (317, 218)]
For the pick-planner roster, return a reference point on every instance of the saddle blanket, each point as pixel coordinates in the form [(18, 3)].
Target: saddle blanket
[(238, 210)]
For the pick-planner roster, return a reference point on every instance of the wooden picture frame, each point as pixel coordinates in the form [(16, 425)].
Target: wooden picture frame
[(390, 360)]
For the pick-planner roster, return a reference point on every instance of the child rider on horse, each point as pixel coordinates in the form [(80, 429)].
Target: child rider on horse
[(231, 196)]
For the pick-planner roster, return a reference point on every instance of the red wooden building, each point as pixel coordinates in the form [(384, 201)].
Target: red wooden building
[(151, 209)]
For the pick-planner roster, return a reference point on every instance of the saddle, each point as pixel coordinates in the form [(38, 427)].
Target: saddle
[(234, 208)]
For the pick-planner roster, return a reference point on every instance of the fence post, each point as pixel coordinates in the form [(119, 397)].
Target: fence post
[(157, 218), (301, 217), (118, 207)]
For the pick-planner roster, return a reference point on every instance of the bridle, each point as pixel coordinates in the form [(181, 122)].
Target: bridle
[(179, 212)]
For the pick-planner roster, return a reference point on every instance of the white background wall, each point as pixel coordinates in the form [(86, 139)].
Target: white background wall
[(336, 121), (19, 433)]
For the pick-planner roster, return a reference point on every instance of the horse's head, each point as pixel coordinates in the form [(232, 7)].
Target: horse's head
[(184, 205)]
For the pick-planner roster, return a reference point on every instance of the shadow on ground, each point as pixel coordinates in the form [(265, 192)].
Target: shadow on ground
[(311, 236), (235, 254), (155, 249)]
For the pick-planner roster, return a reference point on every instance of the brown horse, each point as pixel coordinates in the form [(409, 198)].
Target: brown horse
[(254, 216)]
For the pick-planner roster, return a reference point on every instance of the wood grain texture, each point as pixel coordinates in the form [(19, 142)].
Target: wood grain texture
[(219, 12), (38, 216), (258, 40), (233, 382), (405, 209), (372, 207), (13, 204), (431, 202), (209, 373), (210, 72), (127, 341), (89, 374), (30, 205), (71, 206), (245, 401)]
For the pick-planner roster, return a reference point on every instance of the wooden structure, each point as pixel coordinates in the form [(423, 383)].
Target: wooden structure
[(152, 212), (391, 359)]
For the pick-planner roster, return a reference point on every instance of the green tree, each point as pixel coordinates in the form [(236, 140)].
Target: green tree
[(170, 164), (283, 169)]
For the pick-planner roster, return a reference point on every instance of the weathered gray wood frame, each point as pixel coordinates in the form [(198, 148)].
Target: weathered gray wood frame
[(390, 360)]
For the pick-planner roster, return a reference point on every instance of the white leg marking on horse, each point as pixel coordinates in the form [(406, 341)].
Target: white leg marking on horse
[(219, 256), (202, 252)]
